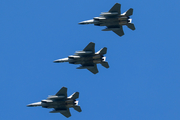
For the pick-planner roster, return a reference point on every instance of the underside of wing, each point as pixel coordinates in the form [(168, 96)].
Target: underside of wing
[(62, 91), (116, 8), (94, 69), (90, 47), (119, 31), (66, 113)]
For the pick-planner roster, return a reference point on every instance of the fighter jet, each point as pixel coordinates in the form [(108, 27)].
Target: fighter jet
[(113, 19), (87, 58), (60, 102)]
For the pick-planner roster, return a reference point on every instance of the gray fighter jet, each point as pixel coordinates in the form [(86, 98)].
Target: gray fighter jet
[(113, 19), (60, 102), (87, 58)]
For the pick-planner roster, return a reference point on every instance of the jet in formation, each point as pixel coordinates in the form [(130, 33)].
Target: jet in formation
[(113, 19), (87, 58), (60, 102)]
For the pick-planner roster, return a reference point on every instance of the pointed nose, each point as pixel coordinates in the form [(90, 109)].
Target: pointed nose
[(30, 105), (81, 23), (34, 104), (56, 61)]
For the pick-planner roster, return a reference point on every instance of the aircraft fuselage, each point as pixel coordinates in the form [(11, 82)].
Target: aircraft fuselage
[(108, 21), (54, 103), (87, 59), (76, 59)]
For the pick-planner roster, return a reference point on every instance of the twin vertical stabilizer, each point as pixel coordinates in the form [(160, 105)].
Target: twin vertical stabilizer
[(102, 51), (105, 64), (77, 108), (128, 12), (74, 95), (131, 26)]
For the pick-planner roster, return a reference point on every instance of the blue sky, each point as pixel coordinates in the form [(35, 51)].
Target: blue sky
[(142, 83)]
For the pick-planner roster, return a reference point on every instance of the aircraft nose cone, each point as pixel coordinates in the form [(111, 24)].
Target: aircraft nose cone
[(56, 61), (34, 104), (29, 105), (81, 23)]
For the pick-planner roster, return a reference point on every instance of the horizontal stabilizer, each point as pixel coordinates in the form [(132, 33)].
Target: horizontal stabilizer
[(77, 108), (105, 64), (74, 95), (131, 26), (129, 12), (102, 51)]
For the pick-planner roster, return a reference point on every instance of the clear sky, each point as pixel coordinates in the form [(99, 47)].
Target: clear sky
[(142, 83)]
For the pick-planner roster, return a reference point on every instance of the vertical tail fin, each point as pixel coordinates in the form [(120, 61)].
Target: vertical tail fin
[(77, 108), (102, 51), (129, 12), (131, 25), (74, 95), (105, 64)]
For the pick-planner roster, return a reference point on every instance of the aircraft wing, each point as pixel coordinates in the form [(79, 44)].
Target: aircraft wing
[(62, 91), (119, 31), (90, 47), (94, 70), (66, 113), (116, 8)]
